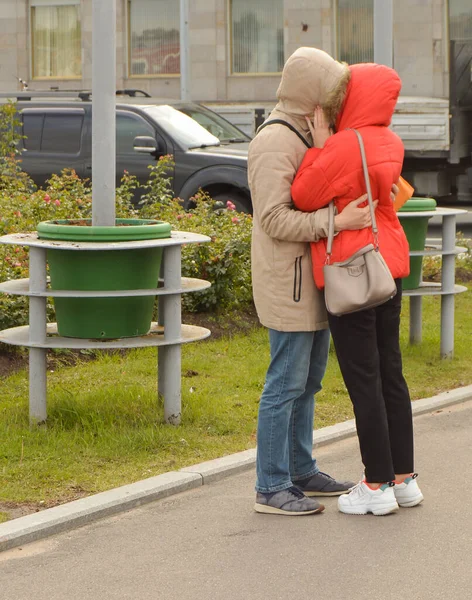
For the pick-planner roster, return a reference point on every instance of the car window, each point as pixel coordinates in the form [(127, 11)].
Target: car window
[(182, 128), (129, 126), (57, 131), (216, 125), (32, 129), (62, 132)]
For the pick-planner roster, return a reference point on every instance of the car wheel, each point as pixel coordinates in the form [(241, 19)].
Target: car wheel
[(242, 203)]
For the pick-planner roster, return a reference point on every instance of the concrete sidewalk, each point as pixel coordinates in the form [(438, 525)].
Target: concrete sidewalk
[(208, 543)]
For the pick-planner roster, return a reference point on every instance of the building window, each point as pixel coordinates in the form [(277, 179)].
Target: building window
[(154, 37), (257, 36), (460, 20), (56, 39), (355, 30)]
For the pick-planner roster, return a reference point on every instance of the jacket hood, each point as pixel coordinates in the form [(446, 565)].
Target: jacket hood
[(370, 98), (310, 76)]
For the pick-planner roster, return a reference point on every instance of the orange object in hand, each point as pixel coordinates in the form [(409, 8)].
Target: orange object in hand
[(405, 193)]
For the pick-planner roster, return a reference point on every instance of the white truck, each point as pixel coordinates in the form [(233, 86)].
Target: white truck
[(437, 143), (437, 132)]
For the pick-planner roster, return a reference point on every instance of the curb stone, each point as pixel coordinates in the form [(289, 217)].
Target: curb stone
[(340, 431), (81, 512), (86, 510), (213, 470)]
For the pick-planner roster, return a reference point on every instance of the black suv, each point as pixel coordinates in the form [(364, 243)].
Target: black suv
[(209, 152)]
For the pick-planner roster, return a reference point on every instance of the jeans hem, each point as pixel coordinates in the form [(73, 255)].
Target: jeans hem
[(306, 476), (277, 488)]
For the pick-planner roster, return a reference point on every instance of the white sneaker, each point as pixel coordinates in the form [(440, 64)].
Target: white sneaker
[(408, 493), (362, 500)]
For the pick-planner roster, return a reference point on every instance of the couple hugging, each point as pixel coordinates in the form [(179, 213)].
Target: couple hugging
[(305, 156)]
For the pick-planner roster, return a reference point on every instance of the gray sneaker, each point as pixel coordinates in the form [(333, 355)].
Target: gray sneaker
[(321, 484), (287, 502)]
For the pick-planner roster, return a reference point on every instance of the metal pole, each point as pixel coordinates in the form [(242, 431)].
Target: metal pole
[(37, 319), (416, 316), (447, 284), (103, 116), (184, 52), (383, 32), (169, 357)]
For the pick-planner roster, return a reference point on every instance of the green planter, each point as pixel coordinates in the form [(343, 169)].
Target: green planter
[(416, 229), (92, 270)]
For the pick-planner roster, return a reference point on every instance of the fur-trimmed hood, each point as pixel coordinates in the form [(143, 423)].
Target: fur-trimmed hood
[(312, 77), (335, 99)]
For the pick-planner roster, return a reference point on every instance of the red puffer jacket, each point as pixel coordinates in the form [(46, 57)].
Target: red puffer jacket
[(335, 171)]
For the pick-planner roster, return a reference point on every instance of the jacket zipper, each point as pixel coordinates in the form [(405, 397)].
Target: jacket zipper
[(297, 280)]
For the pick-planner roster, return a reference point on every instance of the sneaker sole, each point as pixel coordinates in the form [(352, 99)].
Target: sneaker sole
[(414, 502), (312, 494), (378, 512), (271, 510)]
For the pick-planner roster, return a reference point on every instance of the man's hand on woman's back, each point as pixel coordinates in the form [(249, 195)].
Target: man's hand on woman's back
[(353, 216)]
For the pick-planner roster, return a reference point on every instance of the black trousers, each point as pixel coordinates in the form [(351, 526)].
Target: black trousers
[(368, 349)]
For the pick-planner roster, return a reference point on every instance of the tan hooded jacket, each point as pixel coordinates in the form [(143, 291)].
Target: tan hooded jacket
[(285, 294)]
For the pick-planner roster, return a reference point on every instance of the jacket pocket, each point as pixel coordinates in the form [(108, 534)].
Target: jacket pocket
[(297, 279)]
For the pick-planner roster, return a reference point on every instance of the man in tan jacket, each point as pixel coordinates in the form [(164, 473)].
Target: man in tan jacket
[(287, 300)]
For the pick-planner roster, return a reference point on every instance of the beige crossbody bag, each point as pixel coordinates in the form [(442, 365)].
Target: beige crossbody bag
[(362, 281)]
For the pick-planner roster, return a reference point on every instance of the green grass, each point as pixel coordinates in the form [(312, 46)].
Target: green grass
[(105, 424)]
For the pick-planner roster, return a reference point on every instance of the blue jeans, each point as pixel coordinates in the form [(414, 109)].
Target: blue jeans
[(285, 424)]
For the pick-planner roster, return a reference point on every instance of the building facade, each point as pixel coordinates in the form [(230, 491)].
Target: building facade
[(237, 47)]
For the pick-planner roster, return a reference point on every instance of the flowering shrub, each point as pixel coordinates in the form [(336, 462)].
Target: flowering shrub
[(432, 264), (21, 209), (225, 262)]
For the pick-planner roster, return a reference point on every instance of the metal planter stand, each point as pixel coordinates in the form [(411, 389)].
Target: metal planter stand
[(167, 336), (40, 336), (447, 289)]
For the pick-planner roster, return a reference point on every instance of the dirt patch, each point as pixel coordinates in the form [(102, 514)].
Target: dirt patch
[(16, 510), (11, 362), (79, 222), (17, 359), (463, 275), (224, 324)]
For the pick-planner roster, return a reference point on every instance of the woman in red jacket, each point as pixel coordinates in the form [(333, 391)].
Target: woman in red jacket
[(366, 342)]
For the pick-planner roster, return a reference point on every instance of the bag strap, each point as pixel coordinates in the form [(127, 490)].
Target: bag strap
[(329, 246), (289, 125), (367, 181)]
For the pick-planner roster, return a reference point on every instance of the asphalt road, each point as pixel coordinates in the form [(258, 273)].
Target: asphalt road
[(209, 544)]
